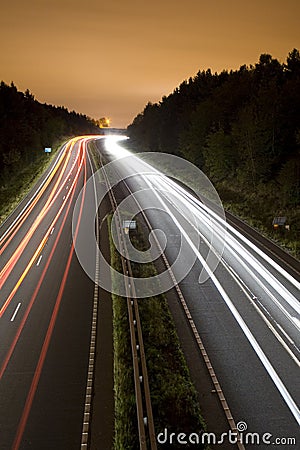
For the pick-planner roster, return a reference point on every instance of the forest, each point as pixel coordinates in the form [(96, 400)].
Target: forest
[(242, 129), (28, 126)]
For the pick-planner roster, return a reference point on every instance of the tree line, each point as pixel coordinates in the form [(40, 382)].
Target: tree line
[(27, 126), (241, 127)]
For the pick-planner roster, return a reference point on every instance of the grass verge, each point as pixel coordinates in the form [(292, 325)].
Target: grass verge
[(259, 210)]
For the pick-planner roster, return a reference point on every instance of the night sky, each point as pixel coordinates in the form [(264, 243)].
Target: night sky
[(109, 58)]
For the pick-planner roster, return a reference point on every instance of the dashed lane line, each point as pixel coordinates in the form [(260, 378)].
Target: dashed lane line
[(15, 312)]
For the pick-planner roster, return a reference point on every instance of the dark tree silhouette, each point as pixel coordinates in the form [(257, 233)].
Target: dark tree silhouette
[(241, 128), (27, 126)]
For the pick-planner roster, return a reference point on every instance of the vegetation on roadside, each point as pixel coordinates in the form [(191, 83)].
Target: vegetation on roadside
[(242, 128), (258, 211), (174, 398), (19, 184)]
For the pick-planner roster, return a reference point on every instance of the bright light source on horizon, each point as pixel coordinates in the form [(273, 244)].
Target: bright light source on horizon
[(112, 146)]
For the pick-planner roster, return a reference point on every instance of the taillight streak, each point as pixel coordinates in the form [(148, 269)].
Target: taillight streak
[(52, 198), (8, 236), (45, 238), (44, 350)]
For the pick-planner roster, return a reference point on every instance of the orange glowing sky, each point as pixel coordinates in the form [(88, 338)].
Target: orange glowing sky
[(109, 58)]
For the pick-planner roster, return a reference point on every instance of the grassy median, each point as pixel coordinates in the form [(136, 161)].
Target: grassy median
[(174, 398)]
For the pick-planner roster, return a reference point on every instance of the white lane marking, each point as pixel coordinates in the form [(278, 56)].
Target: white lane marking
[(39, 260), (285, 334), (15, 313), (52, 230), (64, 197), (90, 378)]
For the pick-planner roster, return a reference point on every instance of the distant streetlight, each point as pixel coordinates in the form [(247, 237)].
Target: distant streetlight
[(104, 122)]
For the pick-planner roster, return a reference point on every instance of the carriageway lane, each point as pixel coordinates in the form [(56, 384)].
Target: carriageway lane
[(45, 341), (247, 310)]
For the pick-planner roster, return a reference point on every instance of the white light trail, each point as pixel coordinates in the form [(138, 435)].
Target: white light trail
[(258, 350), (243, 256)]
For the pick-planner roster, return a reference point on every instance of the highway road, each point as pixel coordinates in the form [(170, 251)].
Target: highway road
[(45, 313), (245, 305)]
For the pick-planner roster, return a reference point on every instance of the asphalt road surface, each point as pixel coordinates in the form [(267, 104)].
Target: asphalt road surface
[(244, 303), (45, 313)]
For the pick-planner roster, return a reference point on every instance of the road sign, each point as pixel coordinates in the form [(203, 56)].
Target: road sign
[(129, 225), (48, 149), (279, 221)]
